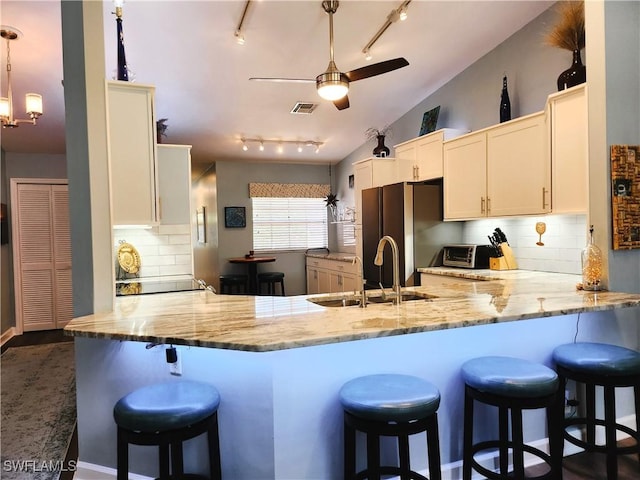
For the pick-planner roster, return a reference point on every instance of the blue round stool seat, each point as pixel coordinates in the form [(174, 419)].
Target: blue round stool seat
[(597, 358), (512, 385), (165, 415), (166, 406), (390, 405), (510, 377), (390, 397), (608, 367)]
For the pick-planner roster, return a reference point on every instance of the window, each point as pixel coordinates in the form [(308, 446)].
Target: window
[(289, 223)]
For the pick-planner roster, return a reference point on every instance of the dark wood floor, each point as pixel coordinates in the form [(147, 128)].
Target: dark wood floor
[(583, 466)]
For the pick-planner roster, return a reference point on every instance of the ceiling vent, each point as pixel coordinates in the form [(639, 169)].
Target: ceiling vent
[(304, 108)]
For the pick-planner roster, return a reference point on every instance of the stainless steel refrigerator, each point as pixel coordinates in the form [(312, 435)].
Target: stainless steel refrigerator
[(412, 215)]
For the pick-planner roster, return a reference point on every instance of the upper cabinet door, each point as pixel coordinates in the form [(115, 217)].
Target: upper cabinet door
[(465, 177), (132, 153), (174, 184), (569, 150), (518, 173)]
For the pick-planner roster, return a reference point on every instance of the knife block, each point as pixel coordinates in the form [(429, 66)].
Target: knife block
[(506, 262)]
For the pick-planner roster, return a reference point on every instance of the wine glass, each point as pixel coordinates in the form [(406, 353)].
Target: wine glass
[(541, 227)]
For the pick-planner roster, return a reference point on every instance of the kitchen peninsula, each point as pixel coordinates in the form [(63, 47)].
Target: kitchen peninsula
[(279, 362)]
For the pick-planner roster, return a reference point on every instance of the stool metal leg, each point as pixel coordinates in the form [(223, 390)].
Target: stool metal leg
[(433, 448), (215, 466), (467, 455), (403, 454), (517, 442), (555, 432), (503, 439), (610, 432), (373, 456), (177, 463), (164, 461), (123, 456), (349, 451), (590, 395)]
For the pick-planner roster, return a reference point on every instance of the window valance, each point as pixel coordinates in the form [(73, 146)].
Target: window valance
[(289, 190)]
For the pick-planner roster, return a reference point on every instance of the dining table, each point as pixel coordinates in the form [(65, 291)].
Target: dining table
[(251, 262)]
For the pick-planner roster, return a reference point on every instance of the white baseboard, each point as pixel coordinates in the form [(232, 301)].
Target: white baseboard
[(91, 471), (7, 335)]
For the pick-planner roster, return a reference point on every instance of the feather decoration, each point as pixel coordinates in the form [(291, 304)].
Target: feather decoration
[(569, 31)]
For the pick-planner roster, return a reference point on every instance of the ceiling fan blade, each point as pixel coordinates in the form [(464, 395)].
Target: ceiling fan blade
[(276, 79), (342, 103), (376, 69)]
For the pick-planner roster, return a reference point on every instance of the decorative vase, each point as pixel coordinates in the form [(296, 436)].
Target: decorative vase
[(591, 265), (381, 150), (574, 75)]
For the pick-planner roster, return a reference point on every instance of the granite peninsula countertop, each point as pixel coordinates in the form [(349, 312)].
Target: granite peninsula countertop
[(338, 256), (262, 323)]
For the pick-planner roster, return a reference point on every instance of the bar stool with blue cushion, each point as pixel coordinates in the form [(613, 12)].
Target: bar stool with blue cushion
[(165, 415), (610, 367), (512, 385), (389, 405), (271, 278)]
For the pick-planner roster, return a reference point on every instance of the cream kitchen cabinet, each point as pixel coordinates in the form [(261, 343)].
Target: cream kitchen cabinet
[(465, 177), (420, 159), (499, 171), (369, 173), (568, 131), (326, 275), (174, 184), (132, 153)]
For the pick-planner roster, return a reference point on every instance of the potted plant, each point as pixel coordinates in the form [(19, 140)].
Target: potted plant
[(161, 127)]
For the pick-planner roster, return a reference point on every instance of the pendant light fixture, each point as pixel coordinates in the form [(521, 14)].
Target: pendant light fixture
[(33, 101)]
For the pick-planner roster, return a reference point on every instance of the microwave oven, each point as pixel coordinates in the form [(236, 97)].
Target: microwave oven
[(466, 256)]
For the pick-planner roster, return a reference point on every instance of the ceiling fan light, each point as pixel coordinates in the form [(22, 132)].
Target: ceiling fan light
[(34, 104), (332, 84)]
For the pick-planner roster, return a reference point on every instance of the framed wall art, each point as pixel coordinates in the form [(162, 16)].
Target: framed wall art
[(625, 196), (429, 121), (235, 217)]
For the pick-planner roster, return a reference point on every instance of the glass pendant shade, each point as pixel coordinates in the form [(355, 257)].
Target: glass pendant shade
[(4, 107), (34, 104)]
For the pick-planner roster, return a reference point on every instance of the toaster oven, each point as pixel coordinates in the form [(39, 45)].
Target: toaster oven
[(466, 256)]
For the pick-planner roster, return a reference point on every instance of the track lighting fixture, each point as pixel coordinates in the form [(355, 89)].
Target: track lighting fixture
[(280, 144), (396, 14)]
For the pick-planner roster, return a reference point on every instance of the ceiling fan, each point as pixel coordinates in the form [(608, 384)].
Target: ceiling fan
[(333, 84)]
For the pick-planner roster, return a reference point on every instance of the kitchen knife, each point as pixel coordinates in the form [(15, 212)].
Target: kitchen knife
[(502, 236)]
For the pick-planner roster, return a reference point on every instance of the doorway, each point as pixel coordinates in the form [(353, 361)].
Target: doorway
[(41, 244)]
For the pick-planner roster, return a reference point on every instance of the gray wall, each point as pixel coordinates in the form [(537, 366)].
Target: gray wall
[(233, 190), (622, 35)]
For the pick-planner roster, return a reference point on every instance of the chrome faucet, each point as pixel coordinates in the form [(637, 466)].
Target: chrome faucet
[(363, 294), (396, 263)]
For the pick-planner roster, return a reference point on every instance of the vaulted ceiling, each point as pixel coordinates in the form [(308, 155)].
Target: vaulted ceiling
[(188, 50)]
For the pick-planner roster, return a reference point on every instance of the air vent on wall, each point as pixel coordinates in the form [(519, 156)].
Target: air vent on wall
[(304, 108)]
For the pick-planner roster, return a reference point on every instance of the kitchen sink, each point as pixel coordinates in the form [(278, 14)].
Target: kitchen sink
[(406, 297), (371, 299)]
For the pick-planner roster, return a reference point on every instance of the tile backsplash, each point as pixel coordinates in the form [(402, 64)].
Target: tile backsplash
[(164, 250), (564, 239)]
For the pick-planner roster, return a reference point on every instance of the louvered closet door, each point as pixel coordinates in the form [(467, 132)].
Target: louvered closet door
[(42, 246)]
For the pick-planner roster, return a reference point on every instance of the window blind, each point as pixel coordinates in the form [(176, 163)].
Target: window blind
[(289, 223)]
